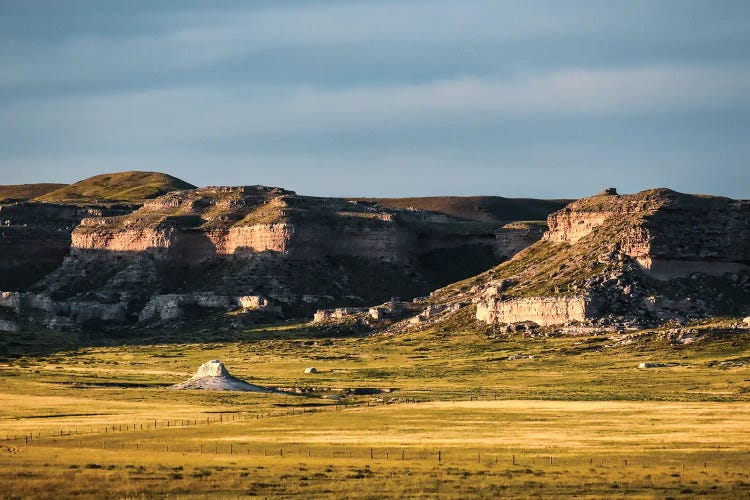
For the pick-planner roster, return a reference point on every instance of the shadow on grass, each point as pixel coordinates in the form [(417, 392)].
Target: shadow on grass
[(43, 342)]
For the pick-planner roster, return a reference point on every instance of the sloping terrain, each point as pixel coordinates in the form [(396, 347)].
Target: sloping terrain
[(121, 187), (628, 260), (478, 208), (23, 192)]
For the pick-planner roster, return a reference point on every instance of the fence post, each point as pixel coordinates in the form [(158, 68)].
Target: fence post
[(440, 456)]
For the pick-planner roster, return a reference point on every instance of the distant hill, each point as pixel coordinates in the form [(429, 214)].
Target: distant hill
[(24, 192), (478, 208), (122, 187)]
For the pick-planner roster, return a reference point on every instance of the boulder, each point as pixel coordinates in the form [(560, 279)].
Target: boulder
[(311, 369), (340, 313), (252, 302)]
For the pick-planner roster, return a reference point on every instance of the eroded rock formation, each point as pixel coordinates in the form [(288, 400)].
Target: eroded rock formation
[(671, 235), (543, 311), (214, 376), (254, 249), (36, 237), (624, 260)]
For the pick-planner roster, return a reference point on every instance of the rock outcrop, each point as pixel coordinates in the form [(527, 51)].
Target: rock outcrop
[(624, 261), (543, 311), (672, 234), (206, 251), (214, 376), (36, 237)]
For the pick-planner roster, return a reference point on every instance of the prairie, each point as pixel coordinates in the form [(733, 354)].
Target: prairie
[(468, 414)]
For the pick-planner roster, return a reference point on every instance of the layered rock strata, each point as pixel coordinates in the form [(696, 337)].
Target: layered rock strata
[(672, 234), (191, 252), (627, 260), (543, 311), (36, 237)]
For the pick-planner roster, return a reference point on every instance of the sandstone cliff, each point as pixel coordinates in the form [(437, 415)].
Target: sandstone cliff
[(196, 251), (625, 260), (36, 237)]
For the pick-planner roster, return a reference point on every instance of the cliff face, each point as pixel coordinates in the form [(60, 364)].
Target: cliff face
[(36, 237), (628, 260), (296, 253), (543, 311), (672, 234)]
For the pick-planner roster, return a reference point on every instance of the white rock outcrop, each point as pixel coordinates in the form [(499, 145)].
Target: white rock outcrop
[(214, 376), (543, 311), (336, 314)]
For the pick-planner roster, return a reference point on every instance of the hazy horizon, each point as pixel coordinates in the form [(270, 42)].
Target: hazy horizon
[(536, 99)]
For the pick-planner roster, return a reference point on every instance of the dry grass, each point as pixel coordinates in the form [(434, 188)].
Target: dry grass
[(683, 430)]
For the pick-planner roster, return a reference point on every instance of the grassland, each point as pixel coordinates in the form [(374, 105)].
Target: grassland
[(487, 415), (23, 192), (121, 187)]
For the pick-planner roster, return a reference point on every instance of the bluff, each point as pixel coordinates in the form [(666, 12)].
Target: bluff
[(622, 260), (36, 237), (194, 251), (36, 220)]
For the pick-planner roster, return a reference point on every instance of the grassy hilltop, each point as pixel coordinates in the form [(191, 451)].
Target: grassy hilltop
[(121, 187)]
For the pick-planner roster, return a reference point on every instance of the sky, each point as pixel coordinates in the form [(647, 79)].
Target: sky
[(526, 98)]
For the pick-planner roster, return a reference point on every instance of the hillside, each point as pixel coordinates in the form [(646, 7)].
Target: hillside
[(23, 192), (477, 208), (121, 187), (622, 261)]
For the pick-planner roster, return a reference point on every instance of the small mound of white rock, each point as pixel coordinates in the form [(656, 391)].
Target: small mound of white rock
[(214, 376)]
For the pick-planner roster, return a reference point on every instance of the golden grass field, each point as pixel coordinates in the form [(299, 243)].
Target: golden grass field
[(576, 419)]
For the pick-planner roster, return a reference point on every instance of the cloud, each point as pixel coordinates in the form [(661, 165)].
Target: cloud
[(535, 34), (204, 114)]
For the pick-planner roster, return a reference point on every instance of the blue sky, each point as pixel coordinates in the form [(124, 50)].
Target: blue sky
[(381, 98)]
